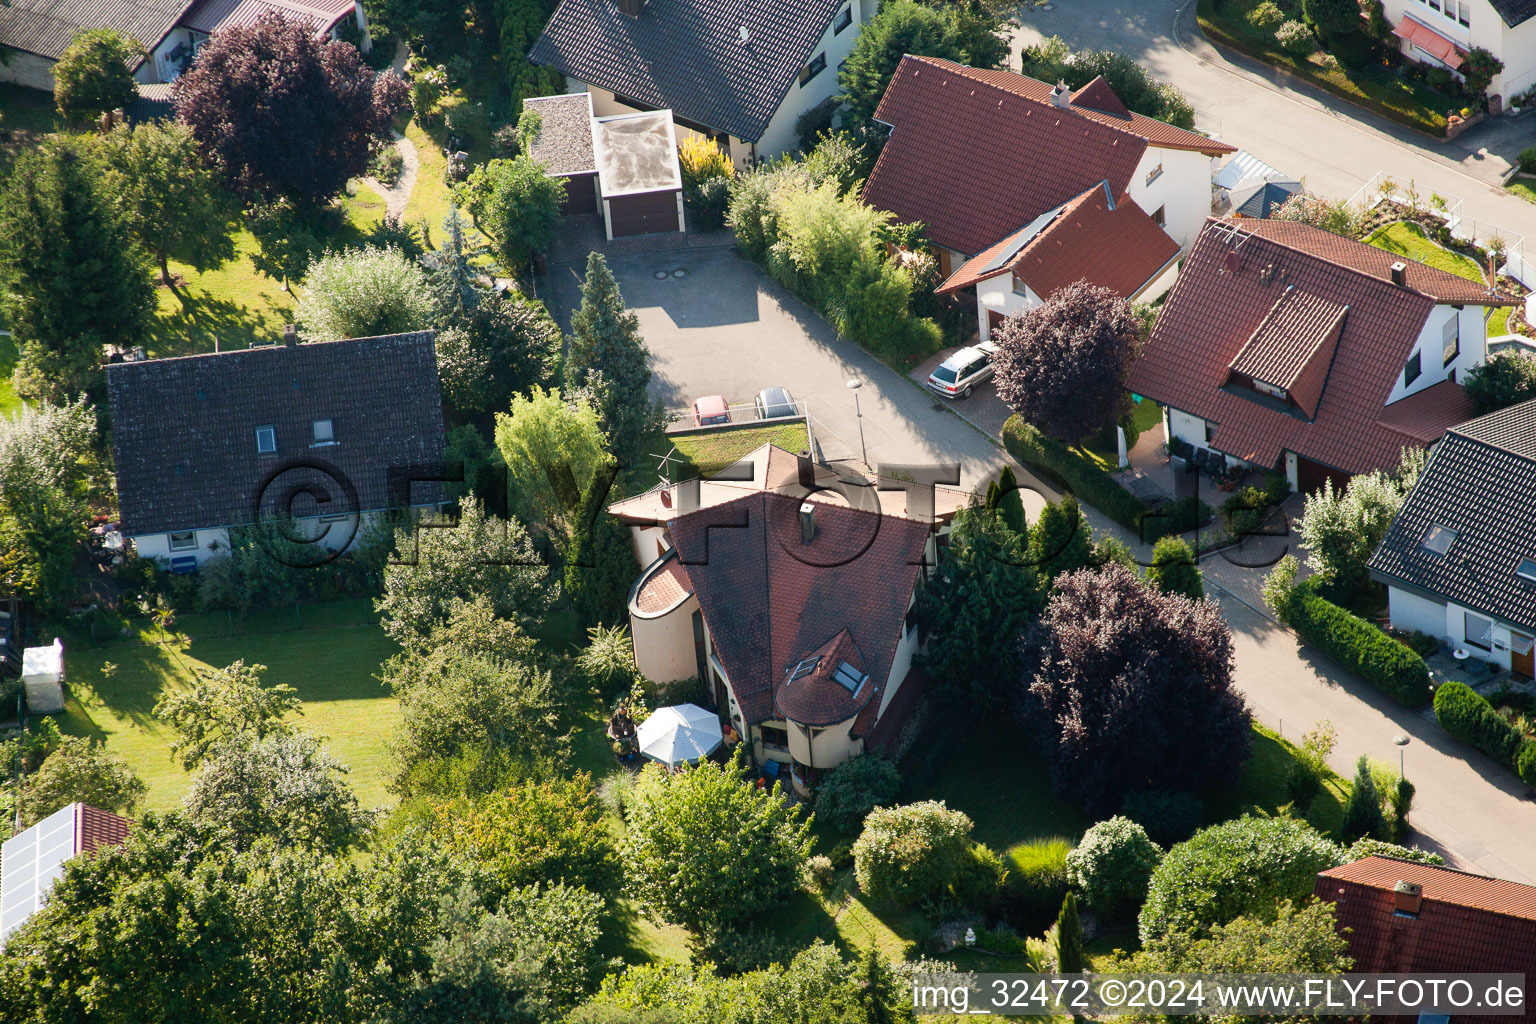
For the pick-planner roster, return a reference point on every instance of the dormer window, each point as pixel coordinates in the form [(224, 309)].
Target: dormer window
[(1271, 390), (851, 678), (325, 432), (1438, 539), (804, 668), (266, 440)]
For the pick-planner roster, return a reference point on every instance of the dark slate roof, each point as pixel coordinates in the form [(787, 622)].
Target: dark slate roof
[(687, 55), (153, 103), (184, 430), (1480, 483), (45, 27), (1515, 12), (770, 600), (1261, 198)]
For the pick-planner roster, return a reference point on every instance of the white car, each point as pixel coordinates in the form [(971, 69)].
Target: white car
[(963, 370)]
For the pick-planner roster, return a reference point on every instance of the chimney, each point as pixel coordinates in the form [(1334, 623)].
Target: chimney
[(1407, 898), (290, 335), (1059, 95), (807, 522), (1400, 273), (630, 8), (805, 470)]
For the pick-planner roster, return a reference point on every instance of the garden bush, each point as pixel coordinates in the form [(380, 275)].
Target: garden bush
[(1525, 763), (1359, 646), (978, 886), (1088, 482), (854, 788), (387, 166), (1168, 817), (1295, 39), (1243, 867), (911, 853), (1181, 516), (1112, 865), (1363, 848), (818, 872), (1265, 13), (1528, 160), (1037, 879), (1468, 717)]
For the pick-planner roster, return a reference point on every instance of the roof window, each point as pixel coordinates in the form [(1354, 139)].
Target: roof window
[(1438, 539), (266, 440), (850, 677), (1527, 569), (325, 432), (804, 668)]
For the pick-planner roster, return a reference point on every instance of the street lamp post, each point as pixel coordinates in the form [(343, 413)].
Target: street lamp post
[(1401, 741), (854, 385)]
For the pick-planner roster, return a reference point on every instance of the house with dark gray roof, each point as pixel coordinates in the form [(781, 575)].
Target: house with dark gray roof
[(1440, 34), (739, 73), (1459, 561), (330, 435), (35, 33)]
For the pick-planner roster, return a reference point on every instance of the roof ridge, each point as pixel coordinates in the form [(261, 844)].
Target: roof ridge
[(270, 347)]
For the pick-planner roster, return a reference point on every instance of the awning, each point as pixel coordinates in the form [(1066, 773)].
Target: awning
[(1427, 39)]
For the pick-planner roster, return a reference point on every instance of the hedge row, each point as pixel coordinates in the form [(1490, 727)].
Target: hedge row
[(1091, 485), (1468, 716), (1360, 647)]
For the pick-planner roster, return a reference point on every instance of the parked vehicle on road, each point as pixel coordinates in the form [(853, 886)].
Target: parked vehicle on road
[(710, 410), (774, 402), (963, 370)]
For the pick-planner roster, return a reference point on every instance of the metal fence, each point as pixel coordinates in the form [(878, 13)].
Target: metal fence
[(1383, 187)]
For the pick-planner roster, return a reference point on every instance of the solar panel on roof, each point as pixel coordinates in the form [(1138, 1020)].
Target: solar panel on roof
[(29, 864)]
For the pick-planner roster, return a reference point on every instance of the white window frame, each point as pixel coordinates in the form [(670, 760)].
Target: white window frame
[(271, 432), (1450, 344), (190, 544), (1155, 173)]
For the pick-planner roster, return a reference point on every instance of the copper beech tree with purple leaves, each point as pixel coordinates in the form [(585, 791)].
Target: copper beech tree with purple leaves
[(285, 114), (1129, 690), (1061, 365)]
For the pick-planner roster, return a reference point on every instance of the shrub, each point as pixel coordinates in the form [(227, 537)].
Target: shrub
[(1280, 588), (701, 158), (1243, 867), (710, 201), (854, 788), (1295, 39), (1037, 877), (1112, 865), (1181, 516), (1168, 817), (1359, 646), (818, 872), (95, 74), (361, 293), (1362, 848), (1244, 511), (1265, 13), (1362, 814), (979, 884), (387, 166), (1525, 763), (1174, 570), (1468, 717), (911, 853), (1528, 160)]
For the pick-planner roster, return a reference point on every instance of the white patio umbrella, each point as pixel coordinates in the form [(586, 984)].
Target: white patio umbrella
[(681, 734)]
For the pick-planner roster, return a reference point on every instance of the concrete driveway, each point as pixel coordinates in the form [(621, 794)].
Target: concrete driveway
[(724, 327), (1332, 146)]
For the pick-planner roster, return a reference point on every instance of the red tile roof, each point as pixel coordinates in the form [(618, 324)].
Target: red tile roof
[(975, 154), (1113, 245), (664, 589), (770, 600), (817, 698), (1465, 922), (1294, 345), (95, 828), (1213, 312)]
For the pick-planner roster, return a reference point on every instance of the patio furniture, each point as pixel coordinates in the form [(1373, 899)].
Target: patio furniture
[(682, 734), (1461, 654)]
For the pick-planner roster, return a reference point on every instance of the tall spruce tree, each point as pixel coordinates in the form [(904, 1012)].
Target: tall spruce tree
[(1362, 814), (74, 276), (608, 356), (1069, 938)]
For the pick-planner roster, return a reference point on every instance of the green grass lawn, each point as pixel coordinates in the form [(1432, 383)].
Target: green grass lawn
[(332, 660), (1409, 240), (1148, 415), (1498, 320), (709, 451), (1523, 186), (9, 403)]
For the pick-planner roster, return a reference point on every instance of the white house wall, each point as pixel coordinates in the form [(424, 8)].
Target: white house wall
[(1456, 629), (1517, 50), (1409, 611), (1516, 47), (1430, 347), (158, 545), (27, 69), (1182, 190), (780, 136), (997, 293), (1160, 285), (664, 643)]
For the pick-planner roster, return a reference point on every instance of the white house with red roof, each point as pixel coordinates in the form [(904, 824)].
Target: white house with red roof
[(1440, 33), (791, 593), (1284, 346), (1055, 186)]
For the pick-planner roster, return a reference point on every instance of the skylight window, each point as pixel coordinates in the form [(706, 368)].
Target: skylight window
[(266, 440), (1437, 539), (325, 432), (850, 677), (804, 668), (1527, 569)]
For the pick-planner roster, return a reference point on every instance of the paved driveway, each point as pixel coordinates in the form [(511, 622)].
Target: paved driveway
[(1332, 146), (724, 327)]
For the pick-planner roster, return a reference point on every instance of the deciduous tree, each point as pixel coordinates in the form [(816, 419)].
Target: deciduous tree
[(553, 450), (1112, 864), (285, 114), (84, 771), (364, 293), (228, 705), (75, 279), (960, 32), (517, 203), (1130, 689), (1061, 365), (95, 74)]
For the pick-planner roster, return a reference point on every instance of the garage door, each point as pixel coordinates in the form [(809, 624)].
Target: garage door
[(1310, 476), (648, 213)]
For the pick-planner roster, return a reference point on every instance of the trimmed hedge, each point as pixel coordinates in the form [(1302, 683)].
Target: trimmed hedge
[(1091, 485), (1360, 647), (1464, 714), (1525, 763)]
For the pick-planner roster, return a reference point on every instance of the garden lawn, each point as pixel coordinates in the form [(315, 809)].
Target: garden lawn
[(9, 403), (1409, 240), (1146, 414), (1498, 320), (710, 451), (1524, 187), (332, 662), (1373, 87)]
